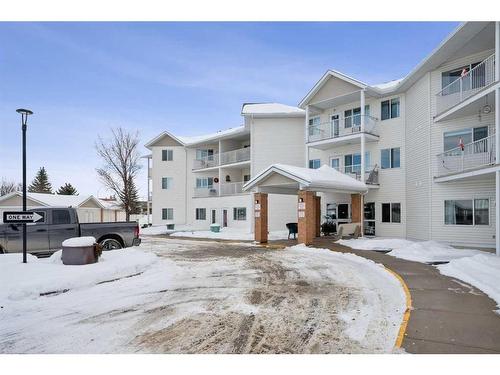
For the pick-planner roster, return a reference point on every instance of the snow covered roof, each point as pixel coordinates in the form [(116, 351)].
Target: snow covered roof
[(56, 200), (388, 86), (324, 178), (194, 140), (271, 110)]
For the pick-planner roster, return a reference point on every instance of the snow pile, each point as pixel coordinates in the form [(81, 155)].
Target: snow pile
[(425, 251), (79, 242), (482, 271), (44, 276), (154, 230), (230, 234)]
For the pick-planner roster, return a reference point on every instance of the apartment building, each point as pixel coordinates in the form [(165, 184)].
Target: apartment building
[(426, 146), (197, 181)]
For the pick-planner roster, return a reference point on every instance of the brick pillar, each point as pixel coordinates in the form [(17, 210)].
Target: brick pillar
[(306, 215), (260, 217), (318, 216), (356, 208)]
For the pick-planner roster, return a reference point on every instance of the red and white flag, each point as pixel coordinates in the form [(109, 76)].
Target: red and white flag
[(461, 143), (464, 72)]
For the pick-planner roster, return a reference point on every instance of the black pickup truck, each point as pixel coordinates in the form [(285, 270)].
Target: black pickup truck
[(59, 224)]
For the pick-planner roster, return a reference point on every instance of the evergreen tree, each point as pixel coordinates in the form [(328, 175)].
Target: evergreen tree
[(41, 183), (67, 189)]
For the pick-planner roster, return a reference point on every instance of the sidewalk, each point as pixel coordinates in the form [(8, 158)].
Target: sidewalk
[(448, 316)]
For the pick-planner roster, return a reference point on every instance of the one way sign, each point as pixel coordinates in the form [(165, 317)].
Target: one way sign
[(17, 217)]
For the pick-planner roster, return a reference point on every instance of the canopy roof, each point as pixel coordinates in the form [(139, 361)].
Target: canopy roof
[(288, 179)]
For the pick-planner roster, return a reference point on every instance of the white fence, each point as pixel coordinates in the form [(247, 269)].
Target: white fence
[(474, 80)]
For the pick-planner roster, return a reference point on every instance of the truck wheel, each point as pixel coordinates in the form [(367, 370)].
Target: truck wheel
[(110, 244)]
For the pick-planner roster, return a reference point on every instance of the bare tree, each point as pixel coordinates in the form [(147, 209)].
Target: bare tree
[(7, 187), (120, 156)]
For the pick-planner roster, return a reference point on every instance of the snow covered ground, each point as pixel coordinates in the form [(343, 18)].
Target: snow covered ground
[(178, 296), (230, 234), (478, 268), (424, 251), (482, 271)]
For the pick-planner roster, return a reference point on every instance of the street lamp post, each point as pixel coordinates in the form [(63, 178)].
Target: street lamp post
[(24, 120)]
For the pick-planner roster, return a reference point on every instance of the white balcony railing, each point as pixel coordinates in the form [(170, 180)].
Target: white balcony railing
[(224, 158), (371, 173), (341, 127), (462, 88), (231, 188), (235, 156), (473, 155)]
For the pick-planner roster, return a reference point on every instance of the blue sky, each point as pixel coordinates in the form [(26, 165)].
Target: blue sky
[(81, 79)]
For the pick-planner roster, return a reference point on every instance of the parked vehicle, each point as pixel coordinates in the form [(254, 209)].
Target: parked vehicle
[(59, 224)]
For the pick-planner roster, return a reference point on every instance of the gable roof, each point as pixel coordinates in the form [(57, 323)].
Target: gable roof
[(271, 110), (324, 178), (194, 140), (55, 200)]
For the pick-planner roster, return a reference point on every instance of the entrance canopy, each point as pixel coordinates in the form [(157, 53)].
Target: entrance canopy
[(288, 179)]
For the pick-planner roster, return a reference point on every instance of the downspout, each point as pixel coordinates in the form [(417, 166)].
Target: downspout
[(497, 137)]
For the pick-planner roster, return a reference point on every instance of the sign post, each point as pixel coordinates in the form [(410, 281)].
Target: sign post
[(24, 119)]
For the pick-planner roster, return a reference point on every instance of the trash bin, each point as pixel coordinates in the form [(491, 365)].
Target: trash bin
[(215, 228), (80, 250)]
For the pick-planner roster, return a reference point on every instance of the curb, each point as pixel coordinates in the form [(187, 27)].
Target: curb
[(406, 315)]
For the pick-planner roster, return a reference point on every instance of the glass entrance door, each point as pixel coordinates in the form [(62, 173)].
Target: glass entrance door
[(335, 123)]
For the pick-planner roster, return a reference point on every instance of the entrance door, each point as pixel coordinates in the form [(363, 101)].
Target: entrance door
[(369, 224), (224, 218), (335, 125)]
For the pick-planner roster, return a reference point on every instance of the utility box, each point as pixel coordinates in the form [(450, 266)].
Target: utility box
[(215, 228), (80, 250)]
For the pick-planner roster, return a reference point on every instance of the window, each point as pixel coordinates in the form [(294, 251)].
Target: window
[(166, 182), (352, 162), (389, 109), (167, 214), (391, 212), (239, 213), (204, 182), (452, 139), (467, 212), (390, 158), (167, 155), (369, 222), (343, 211), (246, 177), (314, 124), (201, 214), (335, 163), (352, 117), (61, 217), (205, 154), (315, 163)]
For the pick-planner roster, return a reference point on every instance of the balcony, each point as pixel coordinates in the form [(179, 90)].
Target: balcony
[(463, 88), (473, 156), (224, 158), (226, 189), (371, 173), (342, 131)]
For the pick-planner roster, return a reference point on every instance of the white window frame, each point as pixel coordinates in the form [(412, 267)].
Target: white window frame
[(473, 212), (390, 108), (390, 213), (198, 215), (313, 128), (236, 214), (169, 215), (170, 154), (390, 158), (471, 129), (313, 160), (203, 182), (169, 180)]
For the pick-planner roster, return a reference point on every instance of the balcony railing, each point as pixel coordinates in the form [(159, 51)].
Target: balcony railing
[(471, 156), (224, 158), (462, 88), (341, 127), (231, 188), (371, 173)]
